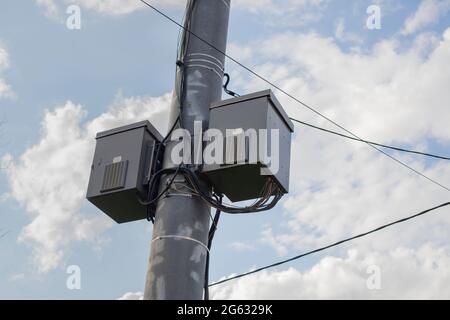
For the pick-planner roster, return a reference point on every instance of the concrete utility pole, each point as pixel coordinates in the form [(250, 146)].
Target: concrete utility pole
[(180, 235)]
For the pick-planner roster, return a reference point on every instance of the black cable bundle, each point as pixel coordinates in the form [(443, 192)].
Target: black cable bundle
[(211, 234), (264, 203)]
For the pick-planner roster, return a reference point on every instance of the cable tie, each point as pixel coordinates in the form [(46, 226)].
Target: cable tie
[(181, 238)]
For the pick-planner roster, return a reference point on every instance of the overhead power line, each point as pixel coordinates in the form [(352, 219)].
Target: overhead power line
[(232, 93), (331, 245), (371, 142), (273, 85)]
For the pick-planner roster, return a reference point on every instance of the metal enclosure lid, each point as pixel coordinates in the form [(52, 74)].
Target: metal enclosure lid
[(266, 93), (143, 124)]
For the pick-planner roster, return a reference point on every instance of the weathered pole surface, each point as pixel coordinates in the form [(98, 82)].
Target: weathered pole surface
[(180, 235)]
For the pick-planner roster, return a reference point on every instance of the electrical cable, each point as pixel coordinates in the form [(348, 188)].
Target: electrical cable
[(149, 201), (179, 90), (153, 183), (211, 234), (5, 234), (192, 178), (371, 142), (225, 86), (273, 85), (271, 191), (232, 93), (181, 54), (331, 245)]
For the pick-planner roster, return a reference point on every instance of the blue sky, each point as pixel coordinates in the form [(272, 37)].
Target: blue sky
[(130, 55)]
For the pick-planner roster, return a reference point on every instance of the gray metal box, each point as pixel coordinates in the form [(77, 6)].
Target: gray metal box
[(121, 170), (240, 180)]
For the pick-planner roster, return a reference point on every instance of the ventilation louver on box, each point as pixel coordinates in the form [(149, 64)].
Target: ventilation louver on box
[(114, 177)]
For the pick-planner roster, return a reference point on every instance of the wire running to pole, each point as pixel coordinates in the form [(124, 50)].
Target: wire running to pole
[(148, 203), (331, 245), (356, 137), (225, 86), (273, 85), (211, 234), (371, 142)]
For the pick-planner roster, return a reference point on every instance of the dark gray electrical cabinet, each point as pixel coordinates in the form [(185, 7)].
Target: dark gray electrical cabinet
[(121, 170), (238, 178)]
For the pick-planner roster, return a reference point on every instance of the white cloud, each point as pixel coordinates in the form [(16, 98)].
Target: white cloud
[(343, 35), (5, 161), (429, 12), (5, 89), (16, 277), (132, 296), (53, 8), (405, 274), (341, 188), (4, 197), (294, 12), (120, 7), (386, 85), (50, 178), (50, 7), (259, 6), (241, 246), (269, 239), (338, 188), (377, 98), (4, 60), (389, 7), (284, 12)]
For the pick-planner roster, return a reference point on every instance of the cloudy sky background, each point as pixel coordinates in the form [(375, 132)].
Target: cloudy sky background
[(59, 87)]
